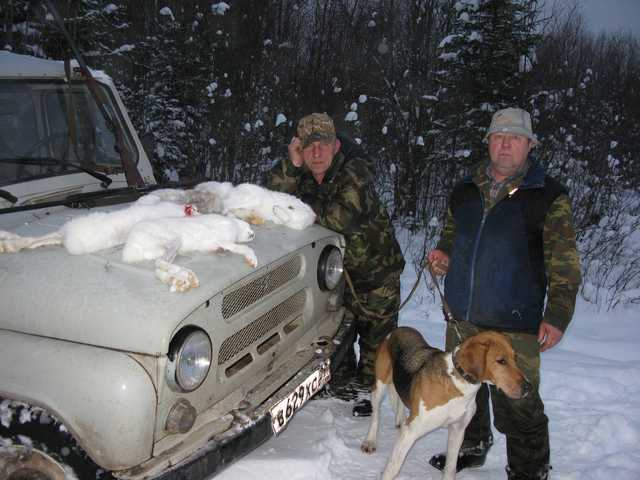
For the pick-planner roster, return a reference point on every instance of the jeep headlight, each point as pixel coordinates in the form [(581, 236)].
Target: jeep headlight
[(330, 268), (190, 358)]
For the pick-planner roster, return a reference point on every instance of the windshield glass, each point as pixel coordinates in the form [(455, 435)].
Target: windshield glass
[(45, 127)]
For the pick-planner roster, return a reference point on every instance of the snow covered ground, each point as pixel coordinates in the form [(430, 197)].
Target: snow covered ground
[(590, 385)]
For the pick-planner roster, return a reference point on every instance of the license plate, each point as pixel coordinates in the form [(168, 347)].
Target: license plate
[(282, 411)]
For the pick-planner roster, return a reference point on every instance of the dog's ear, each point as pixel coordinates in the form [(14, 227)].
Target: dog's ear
[(473, 357)]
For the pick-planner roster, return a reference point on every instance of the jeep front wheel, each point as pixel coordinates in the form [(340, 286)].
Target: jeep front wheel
[(22, 463), (34, 445)]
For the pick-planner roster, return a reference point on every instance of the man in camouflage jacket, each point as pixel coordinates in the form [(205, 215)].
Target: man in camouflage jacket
[(333, 177), (507, 243)]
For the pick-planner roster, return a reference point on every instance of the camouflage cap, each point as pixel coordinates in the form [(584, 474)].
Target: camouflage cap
[(316, 127), (512, 120)]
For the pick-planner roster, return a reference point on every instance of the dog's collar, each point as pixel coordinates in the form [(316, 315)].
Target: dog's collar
[(461, 370)]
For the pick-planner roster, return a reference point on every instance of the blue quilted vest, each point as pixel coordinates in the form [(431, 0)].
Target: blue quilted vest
[(497, 275)]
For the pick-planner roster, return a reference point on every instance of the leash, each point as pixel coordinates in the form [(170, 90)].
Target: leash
[(448, 314), (449, 317), (368, 312)]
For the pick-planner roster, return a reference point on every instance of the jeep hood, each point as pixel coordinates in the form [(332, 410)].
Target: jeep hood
[(97, 299)]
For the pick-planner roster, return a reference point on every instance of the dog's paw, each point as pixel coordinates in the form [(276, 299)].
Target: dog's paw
[(178, 278), (368, 446)]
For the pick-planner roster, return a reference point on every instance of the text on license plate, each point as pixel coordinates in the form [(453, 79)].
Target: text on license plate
[(282, 411)]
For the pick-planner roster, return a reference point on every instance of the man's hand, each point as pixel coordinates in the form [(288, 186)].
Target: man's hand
[(438, 261), (295, 152), (548, 336)]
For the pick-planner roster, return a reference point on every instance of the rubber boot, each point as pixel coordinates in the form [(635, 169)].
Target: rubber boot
[(542, 474), (470, 456), (362, 408)]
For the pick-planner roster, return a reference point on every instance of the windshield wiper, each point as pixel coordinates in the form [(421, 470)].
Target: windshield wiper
[(88, 200), (94, 199), (105, 181), (8, 196)]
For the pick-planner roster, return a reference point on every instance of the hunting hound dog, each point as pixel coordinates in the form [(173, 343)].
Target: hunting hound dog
[(438, 388)]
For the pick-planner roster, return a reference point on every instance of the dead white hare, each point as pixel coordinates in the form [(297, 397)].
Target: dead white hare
[(168, 222)]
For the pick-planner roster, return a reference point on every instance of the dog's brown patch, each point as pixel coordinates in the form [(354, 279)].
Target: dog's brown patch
[(432, 386), (384, 365)]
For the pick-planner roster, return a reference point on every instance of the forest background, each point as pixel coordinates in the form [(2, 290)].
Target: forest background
[(215, 90)]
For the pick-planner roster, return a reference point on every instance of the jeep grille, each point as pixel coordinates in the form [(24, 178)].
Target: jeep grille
[(239, 299), (260, 327)]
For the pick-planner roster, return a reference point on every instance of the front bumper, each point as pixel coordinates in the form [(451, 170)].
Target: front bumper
[(250, 432)]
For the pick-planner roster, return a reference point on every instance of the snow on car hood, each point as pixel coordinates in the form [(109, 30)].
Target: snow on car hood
[(97, 299)]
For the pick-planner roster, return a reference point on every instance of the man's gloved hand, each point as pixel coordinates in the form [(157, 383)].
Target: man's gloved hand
[(438, 262)]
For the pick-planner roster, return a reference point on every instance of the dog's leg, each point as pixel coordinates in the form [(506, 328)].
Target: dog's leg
[(398, 406), (248, 253), (454, 442), (377, 395), (12, 243), (409, 433)]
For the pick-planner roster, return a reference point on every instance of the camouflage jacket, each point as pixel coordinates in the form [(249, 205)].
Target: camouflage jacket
[(561, 261), (346, 202)]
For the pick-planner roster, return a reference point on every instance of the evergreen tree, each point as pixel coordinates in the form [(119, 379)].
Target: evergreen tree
[(160, 116), (22, 24), (482, 63)]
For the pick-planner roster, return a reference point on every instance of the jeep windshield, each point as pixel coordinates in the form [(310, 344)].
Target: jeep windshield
[(50, 128)]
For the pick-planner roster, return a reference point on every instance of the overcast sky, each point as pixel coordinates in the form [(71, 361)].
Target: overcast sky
[(611, 15)]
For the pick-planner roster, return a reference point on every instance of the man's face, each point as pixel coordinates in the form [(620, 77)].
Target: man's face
[(508, 153), (318, 156)]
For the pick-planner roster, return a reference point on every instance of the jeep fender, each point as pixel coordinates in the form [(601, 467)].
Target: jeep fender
[(103, 397)]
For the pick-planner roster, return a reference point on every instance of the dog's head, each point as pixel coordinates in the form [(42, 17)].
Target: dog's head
[(489, 357)]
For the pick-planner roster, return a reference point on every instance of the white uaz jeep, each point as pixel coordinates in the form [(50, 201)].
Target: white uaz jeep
[(102, 369)]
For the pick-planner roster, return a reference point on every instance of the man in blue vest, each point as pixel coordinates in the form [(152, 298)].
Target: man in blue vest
[(509, 243)]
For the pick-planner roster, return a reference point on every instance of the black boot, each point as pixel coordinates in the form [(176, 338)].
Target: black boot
[(343, 385), (362, 383), (362, 408), (541, 474), (471, 456)]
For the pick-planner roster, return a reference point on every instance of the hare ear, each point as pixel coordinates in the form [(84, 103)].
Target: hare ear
[(281, 214)]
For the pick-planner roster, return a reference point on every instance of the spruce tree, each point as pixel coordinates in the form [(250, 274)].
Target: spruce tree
[(482, 62)]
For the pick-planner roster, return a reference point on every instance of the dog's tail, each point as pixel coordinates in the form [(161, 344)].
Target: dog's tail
[(409, 349), (414, 361)]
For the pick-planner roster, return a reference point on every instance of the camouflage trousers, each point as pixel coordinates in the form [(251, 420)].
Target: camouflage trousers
[(370, 331), (523, 421)]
